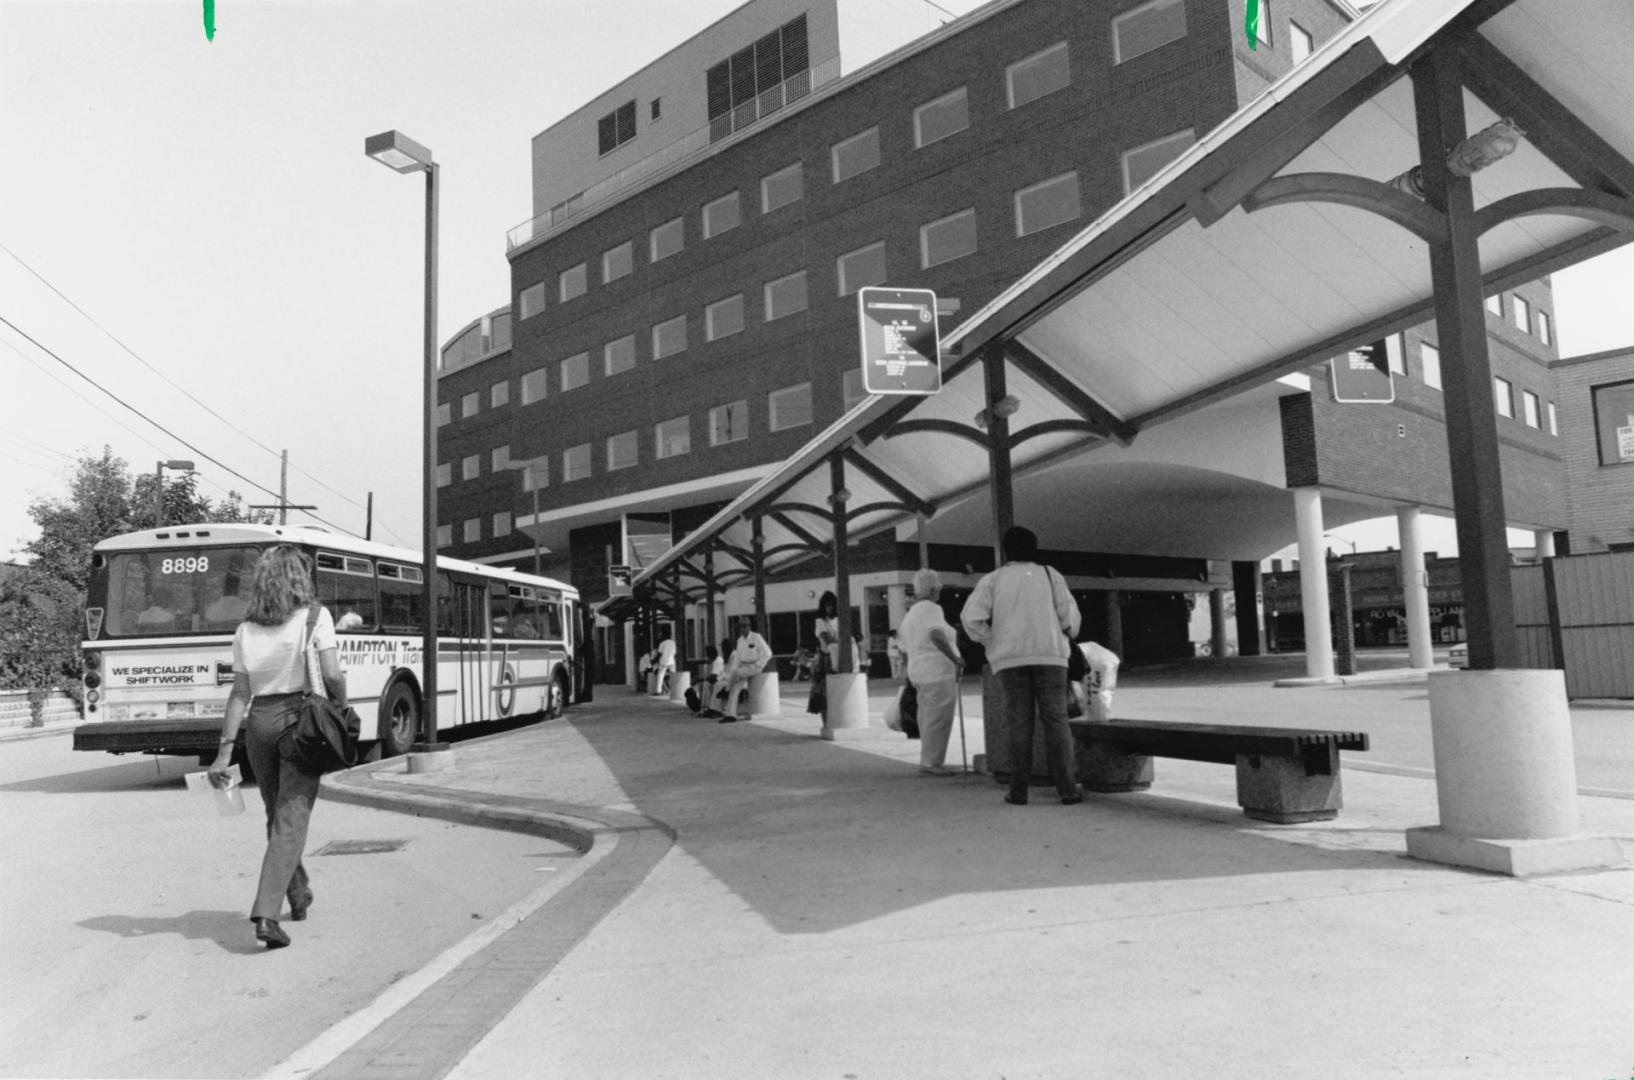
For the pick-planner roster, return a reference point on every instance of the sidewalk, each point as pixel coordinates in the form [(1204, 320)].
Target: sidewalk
[(758, 903)]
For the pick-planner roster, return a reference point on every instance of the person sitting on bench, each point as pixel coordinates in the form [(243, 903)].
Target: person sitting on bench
[(750, 655)]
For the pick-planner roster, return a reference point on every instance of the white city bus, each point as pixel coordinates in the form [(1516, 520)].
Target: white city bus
[(162, 605)]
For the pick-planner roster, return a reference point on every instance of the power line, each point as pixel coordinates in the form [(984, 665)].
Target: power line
[(220, 465), (184, 391)]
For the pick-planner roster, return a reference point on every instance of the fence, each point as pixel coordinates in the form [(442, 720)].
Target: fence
[(1576, 612)]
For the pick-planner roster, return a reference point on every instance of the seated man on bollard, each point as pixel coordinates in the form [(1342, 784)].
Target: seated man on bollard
[(750, 655)]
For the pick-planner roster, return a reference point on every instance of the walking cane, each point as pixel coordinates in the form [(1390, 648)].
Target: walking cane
[(959, 690)]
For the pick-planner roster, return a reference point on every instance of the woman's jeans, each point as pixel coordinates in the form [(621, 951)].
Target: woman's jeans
[(1040, 689), (288, 793)]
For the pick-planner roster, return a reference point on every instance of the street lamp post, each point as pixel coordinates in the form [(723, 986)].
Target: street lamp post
[(396, 151), (159, 487)]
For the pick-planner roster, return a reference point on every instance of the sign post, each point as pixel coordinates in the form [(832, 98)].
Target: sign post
[(901, 349), (1363, 375)]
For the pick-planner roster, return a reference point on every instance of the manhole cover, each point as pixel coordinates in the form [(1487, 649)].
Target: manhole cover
[(359, 847)]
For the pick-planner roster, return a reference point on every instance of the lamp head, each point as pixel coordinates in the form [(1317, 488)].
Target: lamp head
[(397, 151)]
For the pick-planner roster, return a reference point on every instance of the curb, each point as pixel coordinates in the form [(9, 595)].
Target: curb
[(22, 733)]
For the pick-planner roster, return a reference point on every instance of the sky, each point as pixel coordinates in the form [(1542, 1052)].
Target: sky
[(192, 225)]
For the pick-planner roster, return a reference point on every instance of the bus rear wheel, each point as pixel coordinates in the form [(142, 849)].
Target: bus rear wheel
[(399, 719), (557, 705)]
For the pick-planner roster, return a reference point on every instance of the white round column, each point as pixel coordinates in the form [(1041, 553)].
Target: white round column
[(1313, 583), (1415, 583)]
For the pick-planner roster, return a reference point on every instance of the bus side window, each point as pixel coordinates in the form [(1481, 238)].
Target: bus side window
[(346, 588), (552, 611)]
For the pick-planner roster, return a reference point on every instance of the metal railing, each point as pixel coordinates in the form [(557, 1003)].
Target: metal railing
[(676, 153)]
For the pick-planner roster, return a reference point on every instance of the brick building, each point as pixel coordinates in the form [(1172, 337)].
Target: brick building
[(683, 315), (1596, 395)]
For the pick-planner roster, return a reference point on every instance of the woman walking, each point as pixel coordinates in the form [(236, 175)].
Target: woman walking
[(270, 666)]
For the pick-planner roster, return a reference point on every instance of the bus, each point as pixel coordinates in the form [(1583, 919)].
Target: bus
[(162, 605)]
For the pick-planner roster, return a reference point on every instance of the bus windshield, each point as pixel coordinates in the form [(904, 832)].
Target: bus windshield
[(155, 593)]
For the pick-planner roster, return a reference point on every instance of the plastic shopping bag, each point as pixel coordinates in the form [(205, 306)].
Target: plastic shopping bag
[(893, 713), (1101, 681)]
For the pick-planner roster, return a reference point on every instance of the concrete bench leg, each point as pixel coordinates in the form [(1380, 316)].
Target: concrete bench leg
[(1109, 768), (1277, 789), (765, 695)]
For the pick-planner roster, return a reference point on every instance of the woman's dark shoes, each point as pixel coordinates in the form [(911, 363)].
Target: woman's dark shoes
[(297, 909), (1071, 800), (1016, 800), (268, 931)]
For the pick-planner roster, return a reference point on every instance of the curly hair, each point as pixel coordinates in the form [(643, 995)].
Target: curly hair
[(281, 586)]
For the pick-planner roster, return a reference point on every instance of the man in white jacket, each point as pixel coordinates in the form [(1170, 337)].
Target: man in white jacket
[(750, 654), (1025, 616)]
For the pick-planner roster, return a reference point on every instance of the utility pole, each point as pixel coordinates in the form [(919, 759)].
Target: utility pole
[(283, 505)]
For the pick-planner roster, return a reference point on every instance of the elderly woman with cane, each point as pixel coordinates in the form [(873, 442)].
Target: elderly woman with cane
[(270, 667), (934, 665)]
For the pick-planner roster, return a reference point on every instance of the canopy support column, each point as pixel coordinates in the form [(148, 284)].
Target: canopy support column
[(710, 635), (1313, 583), (998, 450), (847, 688), (758, 541), (1415, 588)]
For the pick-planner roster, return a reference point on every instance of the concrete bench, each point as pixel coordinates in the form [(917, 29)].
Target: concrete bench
[(1284, 775)]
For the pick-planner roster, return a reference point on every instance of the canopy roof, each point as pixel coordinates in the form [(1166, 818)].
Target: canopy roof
[(1274, 242)]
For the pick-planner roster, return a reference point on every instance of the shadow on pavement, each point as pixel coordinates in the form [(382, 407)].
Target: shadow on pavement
[(145, 774), (228, 929), (816, 836)]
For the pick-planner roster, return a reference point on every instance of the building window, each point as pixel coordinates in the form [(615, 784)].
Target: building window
[(575, 463), (1263, 30), (1140, 163), (1429, 360), (1495, 304), (758, 79), (936, 120), (1300, 43), (669, 337), (1395, 355), (786, 295), (864, 266), (1529, 409), (790, 407), (617, 262), (573, 282), (534, 384), (1039, 75), (616, 128), (445, 535), (469, 404), (471, 532), (1554, 426), (721, 215), (1545, 330), (855, 155), (1503, 394), (445, 414), (948, 239), (781, 188), (623, 451), (533, 300), (673, 437), (1053, 202), (471, 467), (445, 474), (851, 389), (502, 524), (575, 371), (657, 108), (1614, 421), (618, 355), (723, 318), (1522, 313), (500, 458), (668, 239), (1143, 29), (728, 423), (499, 394), (536, 475)]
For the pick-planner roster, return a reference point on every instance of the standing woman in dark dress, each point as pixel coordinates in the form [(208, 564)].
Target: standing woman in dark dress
[(270, 667)]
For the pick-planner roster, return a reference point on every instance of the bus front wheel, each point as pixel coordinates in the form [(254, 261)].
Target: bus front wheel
[(399, 719), (557, 705)]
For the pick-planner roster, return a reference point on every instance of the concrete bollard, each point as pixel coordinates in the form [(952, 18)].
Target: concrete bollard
[(1506, 781), (847, 705), (679, 683), (764, 695)]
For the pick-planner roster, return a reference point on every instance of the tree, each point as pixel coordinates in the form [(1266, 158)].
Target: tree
[(42, 605)]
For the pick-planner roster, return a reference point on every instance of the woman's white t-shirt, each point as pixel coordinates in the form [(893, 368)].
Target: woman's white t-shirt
[(271, 655)]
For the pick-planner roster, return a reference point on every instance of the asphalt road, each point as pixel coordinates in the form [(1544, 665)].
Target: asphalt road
[(126, 948)]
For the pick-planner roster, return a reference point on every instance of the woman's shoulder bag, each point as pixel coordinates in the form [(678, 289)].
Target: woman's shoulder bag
[(326, 734)]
